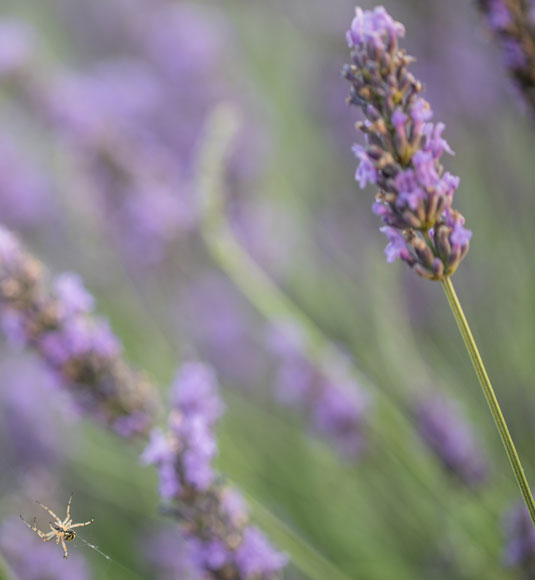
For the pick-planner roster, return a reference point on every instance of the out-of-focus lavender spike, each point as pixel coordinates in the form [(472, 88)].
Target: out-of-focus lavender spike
[(84, 354), (31, 559), (16, 47), (135, 122), (33, 411), (519, 550), (212, 313), (216, 529), (445, 431), (402, 152), (513, 25), (166, 551), (25, 200), (336, 406)]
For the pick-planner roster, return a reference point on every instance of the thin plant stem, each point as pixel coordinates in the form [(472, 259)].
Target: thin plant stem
[(495, 409)]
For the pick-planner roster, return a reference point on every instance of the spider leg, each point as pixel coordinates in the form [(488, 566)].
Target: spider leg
[(49, 511), (66, 554), (84, 524), (69, 508), (34, 528)]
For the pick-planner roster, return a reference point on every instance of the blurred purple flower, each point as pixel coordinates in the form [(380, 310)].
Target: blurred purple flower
[(255, 557), (81, 350), (25, 200), (136, 122), (445, 431), (169, 554), (16, 47), (214, 315), (34, 412), (337, 407), (190, 440), (513, 25), (218, 538), (31, 559), (519, 551)]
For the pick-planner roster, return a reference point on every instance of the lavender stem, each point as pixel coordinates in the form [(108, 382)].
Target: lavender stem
[(492, 401)]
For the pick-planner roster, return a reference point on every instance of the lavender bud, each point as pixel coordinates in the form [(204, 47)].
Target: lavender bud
[(80, 349), (403, 149)]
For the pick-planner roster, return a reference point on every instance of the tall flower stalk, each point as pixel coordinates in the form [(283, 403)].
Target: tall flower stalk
[(401, 157)]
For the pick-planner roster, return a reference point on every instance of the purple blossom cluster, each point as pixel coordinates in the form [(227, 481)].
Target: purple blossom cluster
[(403, 150), (135, 120), (31, 559), (334, 403), (513, 24), (445, 431), (519, 549), (80, 348), (216, 529)]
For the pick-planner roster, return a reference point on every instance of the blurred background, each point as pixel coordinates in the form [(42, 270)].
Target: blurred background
[(382, 455)]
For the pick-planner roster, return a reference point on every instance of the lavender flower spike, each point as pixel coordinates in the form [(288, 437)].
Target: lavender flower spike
[(513, 25), (80, 349), (443, 428), (403, 150), (218, 536)]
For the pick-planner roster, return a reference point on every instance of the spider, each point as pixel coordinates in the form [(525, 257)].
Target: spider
[(62, 530)]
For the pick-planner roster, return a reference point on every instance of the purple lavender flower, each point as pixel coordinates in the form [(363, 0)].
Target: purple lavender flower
[(169, 555), (255, 557), (403, 150), (336, 406), (136, 122), (519, 551), (25, 200), (513, 24), (81, 350), (216, 528), (31, 559), (444, 430), (16, 42), (215, 316), (33, 411)]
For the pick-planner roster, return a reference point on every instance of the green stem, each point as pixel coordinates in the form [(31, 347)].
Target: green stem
[(490, 395)]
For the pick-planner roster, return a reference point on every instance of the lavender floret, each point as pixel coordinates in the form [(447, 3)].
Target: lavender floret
[(403, 150), (79, 348), (215, 520)]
